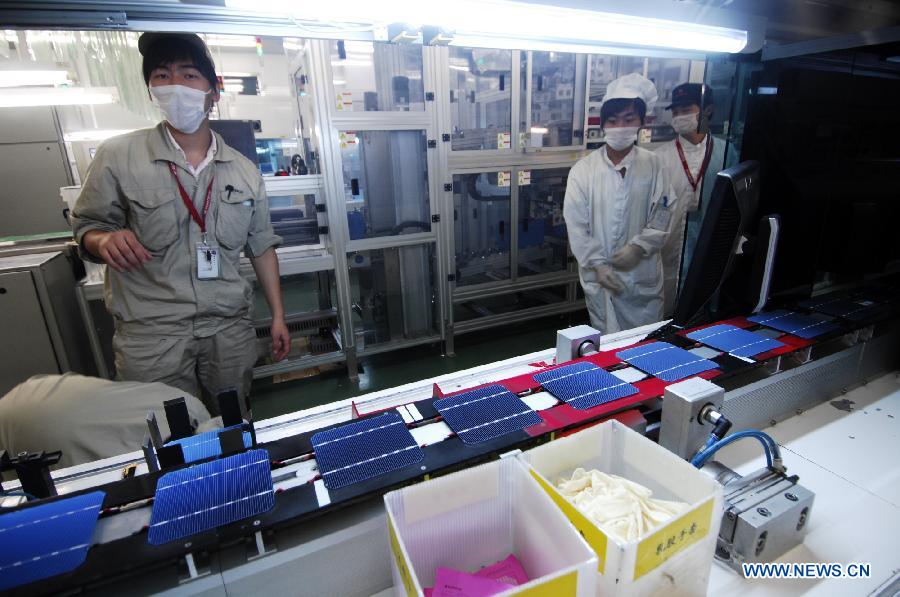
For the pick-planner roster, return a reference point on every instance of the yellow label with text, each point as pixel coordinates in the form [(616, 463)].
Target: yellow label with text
[(567, 584), (402, 566), (595, 537), (673, 538)]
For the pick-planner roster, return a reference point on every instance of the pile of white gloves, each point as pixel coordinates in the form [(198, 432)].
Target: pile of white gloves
[(620, 507)]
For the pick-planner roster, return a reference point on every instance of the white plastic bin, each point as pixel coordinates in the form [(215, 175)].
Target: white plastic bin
[(473, 518), (672, 560)]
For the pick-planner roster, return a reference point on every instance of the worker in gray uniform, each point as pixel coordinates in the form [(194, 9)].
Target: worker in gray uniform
[(169, 209), (87, 418)]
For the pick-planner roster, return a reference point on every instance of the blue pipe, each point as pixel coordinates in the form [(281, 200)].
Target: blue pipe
[(771, 448)]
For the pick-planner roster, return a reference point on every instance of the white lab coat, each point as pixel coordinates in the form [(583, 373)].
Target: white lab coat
[(603, 213), (688, 201)]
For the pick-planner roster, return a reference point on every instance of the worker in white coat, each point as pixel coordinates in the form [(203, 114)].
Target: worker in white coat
[(692, 161), (618, 211)]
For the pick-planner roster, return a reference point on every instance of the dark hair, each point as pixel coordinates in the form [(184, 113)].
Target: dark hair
[(614, 106), (168, 50)]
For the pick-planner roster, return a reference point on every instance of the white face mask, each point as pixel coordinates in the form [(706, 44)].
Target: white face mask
[(620, 137), (183, 107), (685, 124)]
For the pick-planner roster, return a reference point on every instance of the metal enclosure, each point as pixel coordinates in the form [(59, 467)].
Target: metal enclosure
[(32, 167), (39, 311)]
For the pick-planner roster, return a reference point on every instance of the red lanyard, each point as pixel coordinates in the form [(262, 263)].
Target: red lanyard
[(684, 164), (201, 220)]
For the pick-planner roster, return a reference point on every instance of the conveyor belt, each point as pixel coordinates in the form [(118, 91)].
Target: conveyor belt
[(358, 451), (209, 495), (735, 340), (584, 385), (486, 413), (46, 540), (665, 361)]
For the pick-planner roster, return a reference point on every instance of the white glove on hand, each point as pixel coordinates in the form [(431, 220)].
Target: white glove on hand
[(609, 280), (627, 257)]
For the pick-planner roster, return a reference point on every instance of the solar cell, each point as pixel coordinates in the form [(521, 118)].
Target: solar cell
[(483, 414), (206, 445), (209, 495), (797, 324), (46, 540), (358, 451), (665, 361), (735, 340), (584, 385)]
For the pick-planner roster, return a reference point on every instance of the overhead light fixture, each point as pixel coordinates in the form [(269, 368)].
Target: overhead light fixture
[(95, 135), (231, 41), (61, 96), (33, 78), (518, 25), (539, 130)]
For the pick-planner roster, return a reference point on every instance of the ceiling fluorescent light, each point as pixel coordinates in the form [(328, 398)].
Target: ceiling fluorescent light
[(519, 24), (95, 135), (63, 96), (231, 41), (28, 78)]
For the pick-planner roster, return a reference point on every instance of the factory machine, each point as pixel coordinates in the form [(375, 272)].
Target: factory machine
[(272, 505)]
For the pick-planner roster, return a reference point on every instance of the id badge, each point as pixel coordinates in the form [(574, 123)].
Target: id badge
[(662, 217), (208, 265)]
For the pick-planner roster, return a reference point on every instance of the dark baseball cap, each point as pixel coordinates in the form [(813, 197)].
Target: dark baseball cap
[(156, 48), (688, 94)]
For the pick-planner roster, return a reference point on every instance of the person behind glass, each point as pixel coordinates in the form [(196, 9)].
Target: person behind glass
[(691, 158), (170, 209), (617, 210), (298, 166)]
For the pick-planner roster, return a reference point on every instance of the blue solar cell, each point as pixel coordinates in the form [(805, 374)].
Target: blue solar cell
[(584, 385), (665, 361), (735, 340), (803, 326), (486, 413), (209, 495), (852, 310), (358, 451), (206, 445), (46, 540)]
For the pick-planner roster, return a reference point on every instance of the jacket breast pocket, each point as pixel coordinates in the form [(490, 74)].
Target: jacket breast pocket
[(152, 217), (233, 220)]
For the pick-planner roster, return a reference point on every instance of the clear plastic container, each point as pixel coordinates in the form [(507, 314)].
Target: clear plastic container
[(473, 518), (674, 559)]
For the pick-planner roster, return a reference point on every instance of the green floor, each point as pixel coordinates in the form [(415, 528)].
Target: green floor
[(414, 364)]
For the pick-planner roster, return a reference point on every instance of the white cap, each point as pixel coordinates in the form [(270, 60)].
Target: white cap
[(630, 87)]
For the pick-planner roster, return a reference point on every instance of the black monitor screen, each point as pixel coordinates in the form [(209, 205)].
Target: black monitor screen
[(729, 216)]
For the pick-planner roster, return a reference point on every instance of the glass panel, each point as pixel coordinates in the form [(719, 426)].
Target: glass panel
[(557, 99), (381, 77), (294, 218), (481, 208), (385, 182), (542, 231), (508, 303), (393, 294), (720, 78), (309, 313), (480, 98)]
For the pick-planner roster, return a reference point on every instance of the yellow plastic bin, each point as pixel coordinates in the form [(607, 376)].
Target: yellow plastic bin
[(674, 559), (473, 518)]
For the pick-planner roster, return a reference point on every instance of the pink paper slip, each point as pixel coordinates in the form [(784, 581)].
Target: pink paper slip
[(508, 571), (453, 583)]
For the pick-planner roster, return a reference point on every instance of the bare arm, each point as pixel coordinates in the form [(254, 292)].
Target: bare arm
[(266, 268)]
